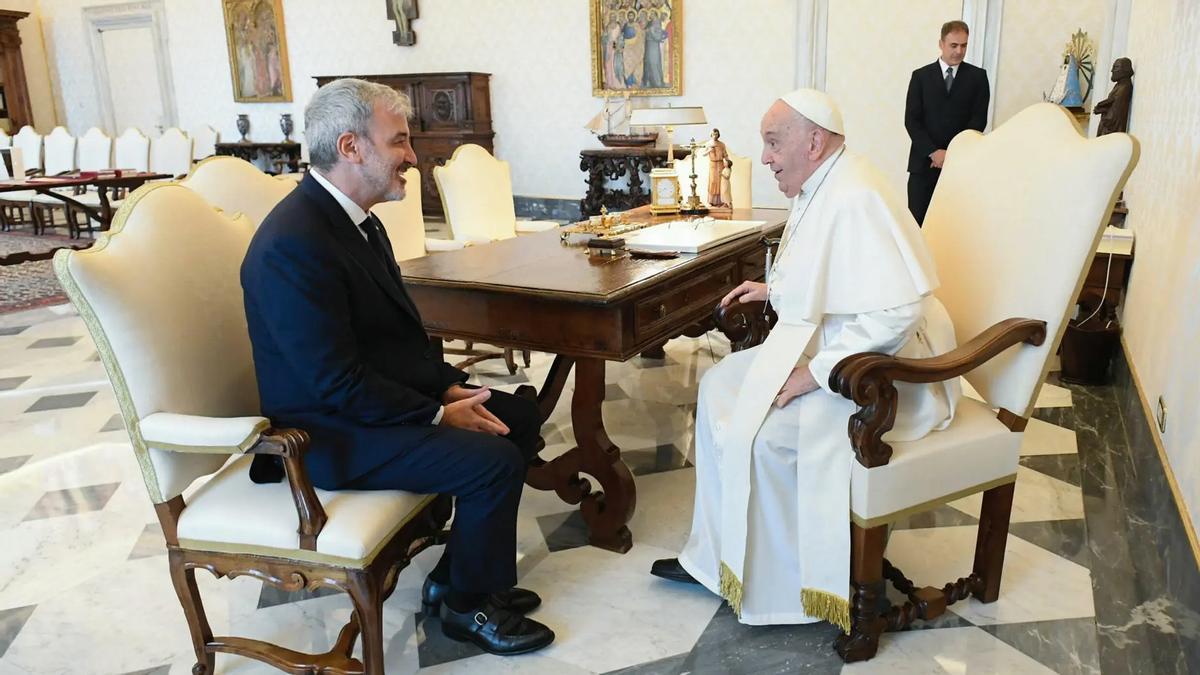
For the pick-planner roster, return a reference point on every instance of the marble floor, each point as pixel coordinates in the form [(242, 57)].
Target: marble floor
[(1098, 577)]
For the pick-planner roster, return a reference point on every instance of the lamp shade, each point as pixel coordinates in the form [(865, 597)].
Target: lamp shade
[(667, 117)]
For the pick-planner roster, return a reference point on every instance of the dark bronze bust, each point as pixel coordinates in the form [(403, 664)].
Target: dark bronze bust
[(1114, 110)]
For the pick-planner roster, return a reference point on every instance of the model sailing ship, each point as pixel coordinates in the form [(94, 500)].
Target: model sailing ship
[(611, 125)]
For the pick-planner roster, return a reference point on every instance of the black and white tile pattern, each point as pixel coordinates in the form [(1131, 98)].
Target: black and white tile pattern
[(1098, 577)]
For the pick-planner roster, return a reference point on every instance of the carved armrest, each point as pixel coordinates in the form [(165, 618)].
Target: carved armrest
[(744, 323), (867, 379), (290, 444)]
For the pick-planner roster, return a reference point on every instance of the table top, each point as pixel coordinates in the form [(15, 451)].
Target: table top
[(258, 144), (541, 265), (74, 180)]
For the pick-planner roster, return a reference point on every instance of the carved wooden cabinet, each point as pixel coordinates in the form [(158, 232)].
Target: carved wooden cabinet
[(12, 71), (449, 109)]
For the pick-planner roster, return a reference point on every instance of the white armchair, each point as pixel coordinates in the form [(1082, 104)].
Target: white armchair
[(204, 142), (1011, 254), (161, 297), (477, 197), (131, 150), (237, 187), (171, 153), (27, 143), (405, 225)]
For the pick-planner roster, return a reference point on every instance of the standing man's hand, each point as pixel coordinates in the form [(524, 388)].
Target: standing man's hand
[(747, 291), (468, 413), (937, 158)]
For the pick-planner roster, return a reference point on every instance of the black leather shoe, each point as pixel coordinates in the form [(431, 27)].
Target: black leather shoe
[(669, 568), (514, 599), (495, 630)]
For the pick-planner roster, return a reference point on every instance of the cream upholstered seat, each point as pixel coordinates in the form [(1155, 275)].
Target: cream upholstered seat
[(171, 153), (1011, 255), (477, 197), (739, 178), (237, 186), (161, 297), (405, 223)]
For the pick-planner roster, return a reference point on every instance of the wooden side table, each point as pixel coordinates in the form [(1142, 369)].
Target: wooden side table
[(248, 150), (609, 164)]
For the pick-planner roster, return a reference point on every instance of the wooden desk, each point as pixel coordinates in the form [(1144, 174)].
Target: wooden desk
[(534, 292)]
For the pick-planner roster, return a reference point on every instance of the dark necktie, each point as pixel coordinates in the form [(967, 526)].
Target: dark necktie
[(949, 78), (379, 246)]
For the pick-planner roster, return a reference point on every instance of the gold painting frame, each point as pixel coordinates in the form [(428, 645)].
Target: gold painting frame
[(258, 56), (606, 80)]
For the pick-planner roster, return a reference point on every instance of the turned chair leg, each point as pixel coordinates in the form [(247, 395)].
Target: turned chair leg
[(525, 357), (991, 540), (367, 596), (193, 609), (510, 361), (866, 580)]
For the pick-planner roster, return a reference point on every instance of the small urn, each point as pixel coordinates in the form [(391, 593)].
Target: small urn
[(243, 126), (286, 126)]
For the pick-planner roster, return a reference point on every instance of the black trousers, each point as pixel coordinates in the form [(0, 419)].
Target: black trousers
[(485, 474), (920, 191)]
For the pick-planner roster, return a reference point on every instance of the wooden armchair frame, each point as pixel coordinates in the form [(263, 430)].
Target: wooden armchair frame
[(368, 587), (868, 380)]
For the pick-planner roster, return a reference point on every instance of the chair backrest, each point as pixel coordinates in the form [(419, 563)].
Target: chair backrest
[(477, 195), (204, 141), (161, 296), (30, 143), (60, 151), (739, 178), (1016, 216), (5, 139), (171, 153), (131, 151), (237, 186), (403, 221), (11, 157), (95, 150)]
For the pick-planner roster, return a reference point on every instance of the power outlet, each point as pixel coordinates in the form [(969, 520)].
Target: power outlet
[(1162, 415)]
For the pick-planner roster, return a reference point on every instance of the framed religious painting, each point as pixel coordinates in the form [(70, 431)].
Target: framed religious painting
[(637, 47), (258, 58)]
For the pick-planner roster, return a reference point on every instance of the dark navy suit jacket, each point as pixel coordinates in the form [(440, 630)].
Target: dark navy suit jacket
[(339, 349), (933, 117)]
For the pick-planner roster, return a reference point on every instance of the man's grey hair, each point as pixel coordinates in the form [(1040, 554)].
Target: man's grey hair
[(345, 104)]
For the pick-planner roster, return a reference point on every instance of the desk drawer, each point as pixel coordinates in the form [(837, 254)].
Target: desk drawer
[(753, 265), (673, 304)]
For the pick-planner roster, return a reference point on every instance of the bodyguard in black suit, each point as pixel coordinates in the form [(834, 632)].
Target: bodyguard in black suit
[(944, 98), (340, 351)]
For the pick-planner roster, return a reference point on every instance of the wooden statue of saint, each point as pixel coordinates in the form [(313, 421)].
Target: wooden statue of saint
[(718, 156), (1114, 110), (403, 12)]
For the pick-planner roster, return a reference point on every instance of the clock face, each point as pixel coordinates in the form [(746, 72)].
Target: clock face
[(665, 192)]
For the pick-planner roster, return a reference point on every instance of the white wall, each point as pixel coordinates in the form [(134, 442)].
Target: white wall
[(872, 52), (1162, 317), (1034, 34), (537, 52)]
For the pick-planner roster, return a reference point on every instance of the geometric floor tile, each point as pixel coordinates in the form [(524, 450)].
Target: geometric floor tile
[(72, 501), (1053, 396), (11, 621), (61, 401), (671, 665), (161, 670), (10, 463), (114, 423), (1067, 538), (664, 457), (1037, 497), (1036, 585), (727, 646), (12, 330), (1062, 467), (150, 543), (1066, 645), (942, 516), (54, 342), (563, 531), (10, 383), (435, 648), (614, 392), (950, 650), (1043, 438)]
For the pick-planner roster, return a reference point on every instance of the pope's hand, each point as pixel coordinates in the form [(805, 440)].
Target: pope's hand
[(747, 291), (800, 382)]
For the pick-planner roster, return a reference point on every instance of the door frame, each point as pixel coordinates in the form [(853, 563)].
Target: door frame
[(147, 14)]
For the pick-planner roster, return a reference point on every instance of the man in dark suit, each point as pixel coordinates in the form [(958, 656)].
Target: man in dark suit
[(944, 98), (340, 351)]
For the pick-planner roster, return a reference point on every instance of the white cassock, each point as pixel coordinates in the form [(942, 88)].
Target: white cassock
[(770, 529)]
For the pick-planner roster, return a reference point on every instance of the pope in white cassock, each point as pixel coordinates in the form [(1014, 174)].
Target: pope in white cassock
[(770, 529)]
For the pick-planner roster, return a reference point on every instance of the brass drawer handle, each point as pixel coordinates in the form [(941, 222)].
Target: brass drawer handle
[(662, 311)]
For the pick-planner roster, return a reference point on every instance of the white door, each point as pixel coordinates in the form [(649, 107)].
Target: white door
[(132, 62)]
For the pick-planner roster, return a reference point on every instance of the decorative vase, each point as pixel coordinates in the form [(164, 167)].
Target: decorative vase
[(285, 125), (243, 126)]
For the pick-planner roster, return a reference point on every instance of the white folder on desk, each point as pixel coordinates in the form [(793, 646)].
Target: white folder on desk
[(692, 236)]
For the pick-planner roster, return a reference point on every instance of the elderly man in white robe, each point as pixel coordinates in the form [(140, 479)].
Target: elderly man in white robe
[(770, 528)]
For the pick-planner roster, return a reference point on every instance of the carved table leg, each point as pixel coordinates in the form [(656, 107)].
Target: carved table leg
[(606, 513)]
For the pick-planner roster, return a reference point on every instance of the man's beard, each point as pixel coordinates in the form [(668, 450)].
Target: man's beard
[(381, 178)]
